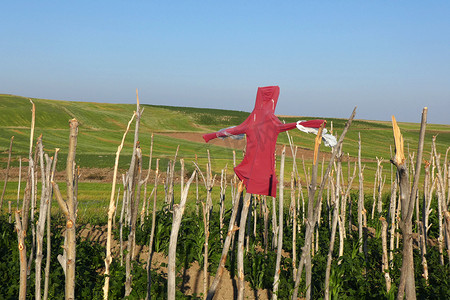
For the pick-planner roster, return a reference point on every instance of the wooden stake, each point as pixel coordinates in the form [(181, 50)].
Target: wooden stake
[(313, 214), (69, 209), (7, 173), (178, 211), (49, 246), (152, 232), (45, 200), (232, 228), (384, 257), (111, 211), (240, 255), (22, 215), (276, 279), (407, 196)]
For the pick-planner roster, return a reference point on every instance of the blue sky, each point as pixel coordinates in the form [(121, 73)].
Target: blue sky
[(386, 57)]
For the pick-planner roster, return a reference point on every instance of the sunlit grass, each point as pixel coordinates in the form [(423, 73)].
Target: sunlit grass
[(102, 126)]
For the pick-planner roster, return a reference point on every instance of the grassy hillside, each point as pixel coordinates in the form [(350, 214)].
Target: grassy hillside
[(102, 126)]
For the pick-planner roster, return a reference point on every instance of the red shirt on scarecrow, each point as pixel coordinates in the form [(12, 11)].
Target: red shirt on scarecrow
[(257, 169)]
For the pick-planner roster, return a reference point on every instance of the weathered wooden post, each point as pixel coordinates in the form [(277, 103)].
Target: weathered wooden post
[(69, 209), (46, 193), (407, 196), (152, 232), (22, 215), (232, 228), (111, 211), (276, 279), (314, 209), (7, 174), (178, 211)]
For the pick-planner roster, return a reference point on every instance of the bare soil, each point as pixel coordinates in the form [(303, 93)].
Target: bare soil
[(192, 282), (106, 174)]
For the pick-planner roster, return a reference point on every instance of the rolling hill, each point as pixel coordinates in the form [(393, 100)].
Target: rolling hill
[(102, 126)]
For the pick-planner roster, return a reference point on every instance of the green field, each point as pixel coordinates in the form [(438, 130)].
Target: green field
[(102, 126), (354, 275)]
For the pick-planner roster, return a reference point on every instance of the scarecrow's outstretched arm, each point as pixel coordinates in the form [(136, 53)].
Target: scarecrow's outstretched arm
[(311, 123), (240, 129)]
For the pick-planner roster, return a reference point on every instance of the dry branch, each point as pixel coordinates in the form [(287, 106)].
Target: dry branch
[(69, 209), (7, 174), (232, 228), (407, 196), (43, 210), (384, 257), (152, 233), (22, 215), (49, 246), (178, 211), (313, 213), (130, 198), (276, 279), (335, 196), (111, 210), (240, 254)]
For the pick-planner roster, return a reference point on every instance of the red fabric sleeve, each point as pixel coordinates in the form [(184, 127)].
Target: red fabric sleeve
[(209, 136), (223, 133), (285, 127), (313, 123)]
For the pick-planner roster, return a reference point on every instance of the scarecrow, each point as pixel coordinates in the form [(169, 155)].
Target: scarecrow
[(257, 169)]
